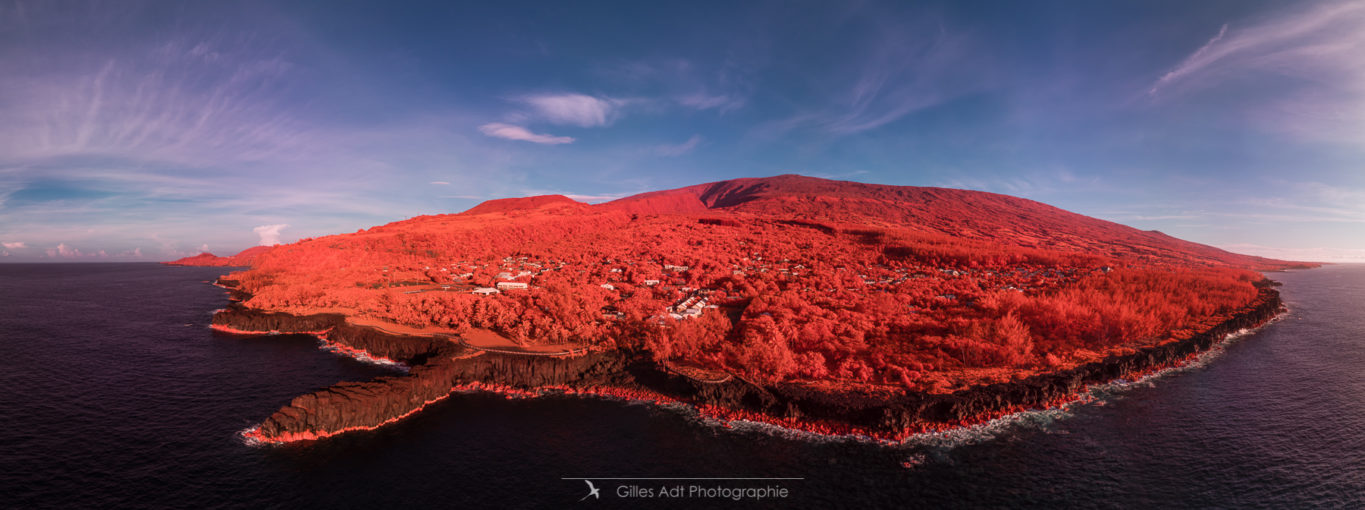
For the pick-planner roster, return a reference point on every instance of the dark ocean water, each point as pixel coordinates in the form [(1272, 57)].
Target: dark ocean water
[(114, 393)]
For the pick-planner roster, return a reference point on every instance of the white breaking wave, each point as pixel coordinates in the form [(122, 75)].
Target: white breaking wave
[(361, 356), (246, 439), (1044, 419)]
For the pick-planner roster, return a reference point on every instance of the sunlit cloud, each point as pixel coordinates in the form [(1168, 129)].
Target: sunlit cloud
[(270, 234), (510, 132), (573, 109), (14, 245), (63, 251)]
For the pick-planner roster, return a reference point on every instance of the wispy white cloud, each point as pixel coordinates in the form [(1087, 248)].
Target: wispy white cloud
[(14, 245), (270, 234), (722, 86), (703, 101), (902, 69), (1192, 63), (681, 148), (440, 183), (1314, 54), (173, 104), (510, 132), (573, 109), (199, 129), (1029, 184)]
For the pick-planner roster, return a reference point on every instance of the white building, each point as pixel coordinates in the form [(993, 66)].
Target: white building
[(511, 285), (484, 291)]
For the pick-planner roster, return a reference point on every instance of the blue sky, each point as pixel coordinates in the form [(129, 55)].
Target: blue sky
[(150, 131)]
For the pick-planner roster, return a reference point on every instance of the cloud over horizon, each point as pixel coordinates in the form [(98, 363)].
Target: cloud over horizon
[(270, 234)]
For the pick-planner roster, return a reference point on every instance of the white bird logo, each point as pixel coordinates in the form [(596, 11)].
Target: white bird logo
[(593, 492)]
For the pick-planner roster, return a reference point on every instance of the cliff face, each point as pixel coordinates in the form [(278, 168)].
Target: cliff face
[(438, 365)]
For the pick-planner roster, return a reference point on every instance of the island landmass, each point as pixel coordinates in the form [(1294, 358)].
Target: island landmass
[(826, 306)]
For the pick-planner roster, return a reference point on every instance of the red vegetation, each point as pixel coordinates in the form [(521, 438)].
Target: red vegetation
[(512, 205), (788, 278)]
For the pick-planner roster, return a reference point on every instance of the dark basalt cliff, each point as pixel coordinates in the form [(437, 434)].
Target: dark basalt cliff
[(437, 365)]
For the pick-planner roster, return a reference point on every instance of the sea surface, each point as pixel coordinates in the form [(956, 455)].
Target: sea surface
[(114, 393)]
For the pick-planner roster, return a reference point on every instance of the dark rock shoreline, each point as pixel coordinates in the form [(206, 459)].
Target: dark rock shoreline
[(437, 365)]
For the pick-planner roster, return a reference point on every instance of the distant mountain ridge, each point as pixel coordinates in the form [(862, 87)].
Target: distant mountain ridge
[(975, 215), (242, 259), (961, 213)]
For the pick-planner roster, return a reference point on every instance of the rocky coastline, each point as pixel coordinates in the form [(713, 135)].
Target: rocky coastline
[(438, 366)]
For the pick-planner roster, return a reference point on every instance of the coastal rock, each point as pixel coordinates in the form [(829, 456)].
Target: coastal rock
[(438, 365)]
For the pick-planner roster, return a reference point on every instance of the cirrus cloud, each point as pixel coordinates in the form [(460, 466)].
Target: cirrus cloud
[(511, 132), (573, 109), (679, 149), (1311, 57)]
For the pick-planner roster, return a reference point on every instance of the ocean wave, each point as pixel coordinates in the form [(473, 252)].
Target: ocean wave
[(362, 356), (926, 444), (247, 438)]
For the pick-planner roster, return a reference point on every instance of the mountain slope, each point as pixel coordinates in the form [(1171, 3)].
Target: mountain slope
[(959, 213), (785, 278), (244, 258)]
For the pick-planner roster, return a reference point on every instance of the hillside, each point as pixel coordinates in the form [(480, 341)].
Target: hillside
[(244, 258), (786, 278), (959, 213)]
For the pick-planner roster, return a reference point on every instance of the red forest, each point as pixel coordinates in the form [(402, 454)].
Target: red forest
[(779, 279)]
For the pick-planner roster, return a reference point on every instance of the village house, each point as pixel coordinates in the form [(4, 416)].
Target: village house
[(485, 291), (511, 285)]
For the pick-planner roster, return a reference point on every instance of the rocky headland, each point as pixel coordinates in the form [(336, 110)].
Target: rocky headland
[(437, 366)]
